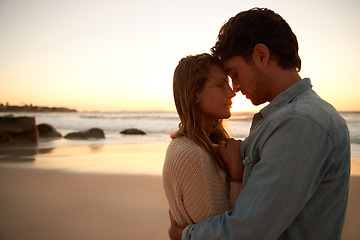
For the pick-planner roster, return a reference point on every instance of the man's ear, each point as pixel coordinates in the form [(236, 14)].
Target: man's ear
[(261, 55)]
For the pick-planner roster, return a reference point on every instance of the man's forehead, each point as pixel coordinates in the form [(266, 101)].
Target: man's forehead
[(228, 65), (234, 63)]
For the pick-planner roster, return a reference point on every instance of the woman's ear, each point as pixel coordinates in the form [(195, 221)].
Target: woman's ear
[(198, 97), (261, 55)]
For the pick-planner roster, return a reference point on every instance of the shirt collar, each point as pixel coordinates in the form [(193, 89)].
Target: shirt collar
[(287, 96)]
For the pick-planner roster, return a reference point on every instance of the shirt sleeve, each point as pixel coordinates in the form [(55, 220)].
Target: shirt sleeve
[(292, 161)]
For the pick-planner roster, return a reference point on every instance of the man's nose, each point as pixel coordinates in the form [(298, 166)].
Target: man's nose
[(236, 88)]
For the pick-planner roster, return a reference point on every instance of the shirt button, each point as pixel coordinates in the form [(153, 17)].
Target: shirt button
[(246, 160)]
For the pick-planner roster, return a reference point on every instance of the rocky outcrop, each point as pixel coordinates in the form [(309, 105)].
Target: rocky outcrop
[(48, 131), (133, 131), (30, 108), (17, 130), (91, 133)]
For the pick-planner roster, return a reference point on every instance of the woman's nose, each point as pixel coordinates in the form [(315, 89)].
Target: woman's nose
[(231, 93)]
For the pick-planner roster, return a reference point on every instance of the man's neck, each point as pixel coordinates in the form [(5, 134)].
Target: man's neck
[(282, 80)]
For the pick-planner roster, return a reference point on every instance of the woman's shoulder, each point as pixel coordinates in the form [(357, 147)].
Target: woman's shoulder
[(184, 144), (184, 149)]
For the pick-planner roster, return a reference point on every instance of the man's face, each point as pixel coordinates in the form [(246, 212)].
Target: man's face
[(247, 78)]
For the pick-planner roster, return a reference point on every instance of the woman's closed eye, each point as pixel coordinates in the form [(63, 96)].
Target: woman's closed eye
[(222, 84), (233, 75)]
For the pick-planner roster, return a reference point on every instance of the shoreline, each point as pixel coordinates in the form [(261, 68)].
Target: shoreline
[(97, 157), (355, 168), (117, 158)]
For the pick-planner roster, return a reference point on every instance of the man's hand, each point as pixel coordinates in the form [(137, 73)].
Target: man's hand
[(175, 232), (230, 151)]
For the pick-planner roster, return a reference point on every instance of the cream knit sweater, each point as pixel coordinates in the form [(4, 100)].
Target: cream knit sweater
[(192, 185)]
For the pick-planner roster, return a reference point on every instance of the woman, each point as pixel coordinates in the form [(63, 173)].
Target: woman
[(195, 178)]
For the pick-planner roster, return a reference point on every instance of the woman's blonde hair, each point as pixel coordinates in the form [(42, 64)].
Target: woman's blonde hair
[(190, 77)]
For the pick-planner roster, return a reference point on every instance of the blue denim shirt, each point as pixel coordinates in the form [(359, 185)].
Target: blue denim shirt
[(296, 174)]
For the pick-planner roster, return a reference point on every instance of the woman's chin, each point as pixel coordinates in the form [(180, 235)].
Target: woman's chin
[(228, 115)]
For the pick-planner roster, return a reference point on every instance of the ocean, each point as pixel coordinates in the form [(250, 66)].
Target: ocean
[(156, 125)]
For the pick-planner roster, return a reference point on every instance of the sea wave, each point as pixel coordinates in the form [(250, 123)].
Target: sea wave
[(154, 123), (351, 117), (355, 139), (129, 115)]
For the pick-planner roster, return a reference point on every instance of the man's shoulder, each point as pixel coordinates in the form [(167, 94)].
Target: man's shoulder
[(310, 106)]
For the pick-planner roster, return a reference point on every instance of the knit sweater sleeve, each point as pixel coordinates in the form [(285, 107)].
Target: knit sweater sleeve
[(192, 187)]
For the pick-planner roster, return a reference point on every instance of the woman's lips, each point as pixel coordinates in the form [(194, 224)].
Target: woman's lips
[(228, 104)]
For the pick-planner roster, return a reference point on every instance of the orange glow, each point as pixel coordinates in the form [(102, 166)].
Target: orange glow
[(123, 57)]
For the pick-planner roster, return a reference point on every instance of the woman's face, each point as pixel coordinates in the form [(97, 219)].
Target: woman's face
[(214, 99)]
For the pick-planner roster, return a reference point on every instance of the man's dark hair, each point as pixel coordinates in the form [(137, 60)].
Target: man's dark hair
[(241, 33)]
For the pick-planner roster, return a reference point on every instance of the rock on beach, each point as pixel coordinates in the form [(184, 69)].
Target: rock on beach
[(48, 131), (91, 133), (133, 131), (18, 130)]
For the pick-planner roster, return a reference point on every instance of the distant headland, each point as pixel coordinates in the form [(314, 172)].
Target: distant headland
[(31, 108)]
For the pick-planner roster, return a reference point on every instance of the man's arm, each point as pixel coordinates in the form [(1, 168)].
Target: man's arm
[(278, 187)]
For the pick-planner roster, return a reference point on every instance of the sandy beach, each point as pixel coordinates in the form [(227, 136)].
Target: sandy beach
[(50, 204), (43, 203)]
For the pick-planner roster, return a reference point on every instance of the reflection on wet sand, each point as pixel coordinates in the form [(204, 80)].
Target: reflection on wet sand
[(85, 156), (96, 148), (21, 152)]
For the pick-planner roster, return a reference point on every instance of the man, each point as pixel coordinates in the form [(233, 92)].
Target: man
[(297, 156)]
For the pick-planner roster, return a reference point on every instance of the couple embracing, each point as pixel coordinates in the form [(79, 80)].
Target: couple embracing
[(289, 179)]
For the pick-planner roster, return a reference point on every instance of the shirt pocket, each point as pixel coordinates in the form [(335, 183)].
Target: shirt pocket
[(247, 163)]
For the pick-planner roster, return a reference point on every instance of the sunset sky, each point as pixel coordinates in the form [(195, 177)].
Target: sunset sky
[(109, 55)]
